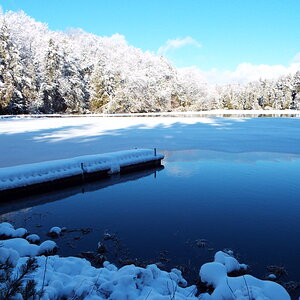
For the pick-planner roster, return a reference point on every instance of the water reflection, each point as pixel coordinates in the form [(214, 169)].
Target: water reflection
[(25, 203), (242, 157)]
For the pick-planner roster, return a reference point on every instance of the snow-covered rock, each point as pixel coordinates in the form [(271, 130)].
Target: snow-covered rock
[(24, 248), (272, 276), (239, 288), (230, 263), (33, 238), (55, 231), (7, 230)]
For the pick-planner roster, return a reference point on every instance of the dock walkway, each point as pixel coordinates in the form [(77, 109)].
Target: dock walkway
[(75, 170)]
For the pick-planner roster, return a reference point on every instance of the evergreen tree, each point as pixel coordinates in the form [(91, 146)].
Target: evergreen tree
[(102, 88), (11, 83), (50, 92)]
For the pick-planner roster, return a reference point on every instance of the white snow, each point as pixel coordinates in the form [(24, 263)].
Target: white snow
[(231, 264), (31, 140), (7, 230), (239, 288), (9, 256), (18, 176), (33, 238), (72, 277), (24, 248), (55, 230)]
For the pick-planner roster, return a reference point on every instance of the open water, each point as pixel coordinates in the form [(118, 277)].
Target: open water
[(201, 202)]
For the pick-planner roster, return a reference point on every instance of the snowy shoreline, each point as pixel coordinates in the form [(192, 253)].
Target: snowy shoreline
[(213, 113), (73, 277)]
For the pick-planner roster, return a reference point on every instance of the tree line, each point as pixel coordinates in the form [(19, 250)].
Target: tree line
[(44, 71)]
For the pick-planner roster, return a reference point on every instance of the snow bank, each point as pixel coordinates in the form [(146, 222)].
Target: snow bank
[(9, 256), (18, 176), (75, 278), (239, 288)]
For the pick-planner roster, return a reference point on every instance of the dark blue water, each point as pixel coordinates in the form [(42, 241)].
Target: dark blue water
[(247, 202)]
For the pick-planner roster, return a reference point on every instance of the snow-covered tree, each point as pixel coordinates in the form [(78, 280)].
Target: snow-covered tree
[(75, 71), (11, 82)]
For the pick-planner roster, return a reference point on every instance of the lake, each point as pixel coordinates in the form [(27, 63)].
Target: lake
[(199, 203)]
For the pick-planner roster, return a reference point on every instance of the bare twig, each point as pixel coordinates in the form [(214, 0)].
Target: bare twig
[(248, 291), (44, 276), (230, 288), (148, 294)]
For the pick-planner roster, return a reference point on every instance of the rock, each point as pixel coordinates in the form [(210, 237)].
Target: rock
[(86, 230), (33, 239), (201, 243), (55, 232), (101, 248), (107, 236), (89, 255), (99, 260), (160, 265)]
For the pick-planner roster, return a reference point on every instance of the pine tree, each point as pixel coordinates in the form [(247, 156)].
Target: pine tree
[(11, 83), (102, 87), (73, 86), (50, 92)]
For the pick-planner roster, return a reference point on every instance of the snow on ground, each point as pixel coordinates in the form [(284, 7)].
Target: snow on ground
[(74, 278), (28, 140), (240, 288)]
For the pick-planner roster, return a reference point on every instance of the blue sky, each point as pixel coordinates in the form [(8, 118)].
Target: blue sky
[(209, 33)]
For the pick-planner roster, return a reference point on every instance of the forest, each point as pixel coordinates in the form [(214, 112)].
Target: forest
[(75, 72)]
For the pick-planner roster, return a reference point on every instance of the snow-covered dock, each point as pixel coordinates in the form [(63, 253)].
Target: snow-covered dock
[(39, 176)]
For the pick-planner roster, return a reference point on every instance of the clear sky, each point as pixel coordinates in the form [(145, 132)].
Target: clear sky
[(206, 33)]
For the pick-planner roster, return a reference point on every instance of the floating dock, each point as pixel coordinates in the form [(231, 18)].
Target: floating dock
[(24, 180)]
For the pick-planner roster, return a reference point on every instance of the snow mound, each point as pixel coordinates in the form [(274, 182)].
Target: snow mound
[(33, 238), (9, 256), (18, 176), (239, 288), (72, 277), (55, 231), (7, 230), (24, 248), (230, 263)]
